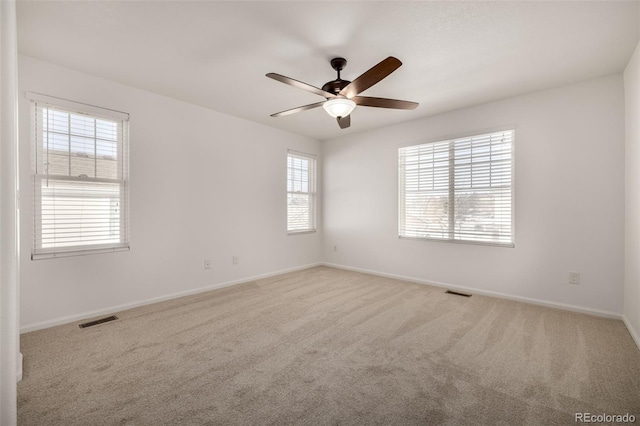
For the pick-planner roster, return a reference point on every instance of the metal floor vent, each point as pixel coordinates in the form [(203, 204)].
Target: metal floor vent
[(100, 321), (457, 293)]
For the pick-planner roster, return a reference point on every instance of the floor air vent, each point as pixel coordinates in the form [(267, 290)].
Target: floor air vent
[(100, 321), (457, 293)]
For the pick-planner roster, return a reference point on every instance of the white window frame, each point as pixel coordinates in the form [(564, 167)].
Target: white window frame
[(299, 188), (498, 171), (106, 190)]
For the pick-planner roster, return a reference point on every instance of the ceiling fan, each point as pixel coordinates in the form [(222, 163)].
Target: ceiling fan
[(342, 95)]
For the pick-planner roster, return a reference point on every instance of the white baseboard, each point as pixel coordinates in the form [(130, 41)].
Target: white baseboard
[(110, 310), (632, 331), (125, 306), (19, 375), (506, 296)]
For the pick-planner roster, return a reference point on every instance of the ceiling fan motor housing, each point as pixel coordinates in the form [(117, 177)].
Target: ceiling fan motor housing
[(335, 86)]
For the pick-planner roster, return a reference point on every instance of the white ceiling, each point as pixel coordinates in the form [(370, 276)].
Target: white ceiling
[(216, 54)]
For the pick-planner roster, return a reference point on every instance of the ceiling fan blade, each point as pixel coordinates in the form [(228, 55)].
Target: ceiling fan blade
[(344, 122), (371, 77), (300, 85), (299, 109), (384, 103)]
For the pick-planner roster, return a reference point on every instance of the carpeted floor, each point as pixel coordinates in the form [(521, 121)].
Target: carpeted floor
[(326, 347)]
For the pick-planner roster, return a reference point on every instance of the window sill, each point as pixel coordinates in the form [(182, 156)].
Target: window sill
[(309, 231), (77, 252), (470, 242)]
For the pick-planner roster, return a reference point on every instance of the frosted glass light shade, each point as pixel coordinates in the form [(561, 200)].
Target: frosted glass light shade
[(339, 107)]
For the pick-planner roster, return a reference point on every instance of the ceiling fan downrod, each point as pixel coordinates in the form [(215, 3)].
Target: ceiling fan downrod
[(335, 86)]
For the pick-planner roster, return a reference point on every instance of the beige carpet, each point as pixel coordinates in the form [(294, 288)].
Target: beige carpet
[(326, 347)]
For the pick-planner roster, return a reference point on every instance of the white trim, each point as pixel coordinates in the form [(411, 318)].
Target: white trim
[(78, 106), (9, 215), (632, 331), (20, 362), (125, 306), (548, 304)]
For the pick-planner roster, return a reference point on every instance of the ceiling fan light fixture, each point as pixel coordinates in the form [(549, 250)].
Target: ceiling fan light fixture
[(339, 107)]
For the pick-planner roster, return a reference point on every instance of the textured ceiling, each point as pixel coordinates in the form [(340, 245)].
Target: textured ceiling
[(216, 54)]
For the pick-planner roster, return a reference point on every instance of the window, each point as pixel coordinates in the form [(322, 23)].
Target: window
[(301, 193), (80, 178), (458, 190)]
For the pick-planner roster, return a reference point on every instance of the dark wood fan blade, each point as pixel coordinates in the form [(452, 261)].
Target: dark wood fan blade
[(344, 122), (300, 85), (371, 77), (384, 103), (299, 109)]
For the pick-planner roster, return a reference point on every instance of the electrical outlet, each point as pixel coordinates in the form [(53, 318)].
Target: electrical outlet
[(207, 264), (234, 260), (574, 278)]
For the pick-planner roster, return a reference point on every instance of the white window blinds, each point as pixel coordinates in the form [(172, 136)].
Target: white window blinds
[(458, 190), (301, 193), (80, 178)]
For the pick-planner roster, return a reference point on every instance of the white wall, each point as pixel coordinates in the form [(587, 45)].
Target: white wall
[(632, 196), (569, 199), (204, 185)]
